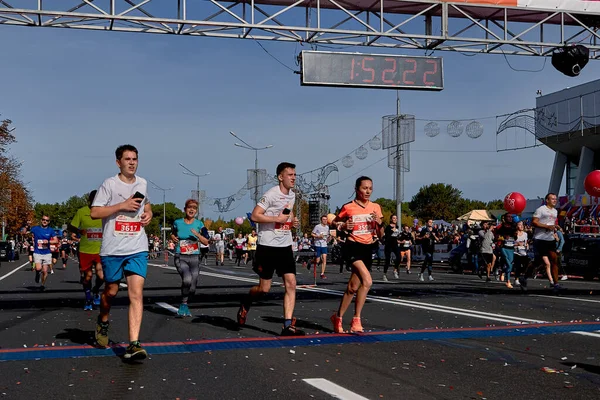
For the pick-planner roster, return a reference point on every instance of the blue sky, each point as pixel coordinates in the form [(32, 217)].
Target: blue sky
[(74, 96)]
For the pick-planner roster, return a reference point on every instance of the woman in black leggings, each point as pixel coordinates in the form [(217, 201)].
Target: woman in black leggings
[(391, 233)]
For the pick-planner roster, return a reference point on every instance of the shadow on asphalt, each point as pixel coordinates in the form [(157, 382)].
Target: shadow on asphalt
[(230, 324), (594, 369), (219, 322), (299, 323), (78, 336)]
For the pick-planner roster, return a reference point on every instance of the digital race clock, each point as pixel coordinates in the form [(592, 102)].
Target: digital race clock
[(321, 68)]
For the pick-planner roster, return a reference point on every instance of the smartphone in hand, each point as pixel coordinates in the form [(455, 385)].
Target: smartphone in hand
[(138, 195)]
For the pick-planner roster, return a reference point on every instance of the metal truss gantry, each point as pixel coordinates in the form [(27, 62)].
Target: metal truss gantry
[(419, 25)]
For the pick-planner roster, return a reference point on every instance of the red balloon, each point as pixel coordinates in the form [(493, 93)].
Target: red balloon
[(592, 183), (514, 203)]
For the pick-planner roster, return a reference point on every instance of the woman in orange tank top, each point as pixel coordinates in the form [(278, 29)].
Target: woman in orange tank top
[(363, 221)]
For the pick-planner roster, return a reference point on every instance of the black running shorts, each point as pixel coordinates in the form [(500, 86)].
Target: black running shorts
[(354, 251), (487, 257), (544, 247), (271, 260)]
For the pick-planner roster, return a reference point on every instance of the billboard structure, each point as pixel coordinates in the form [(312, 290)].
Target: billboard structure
[(514, 27)]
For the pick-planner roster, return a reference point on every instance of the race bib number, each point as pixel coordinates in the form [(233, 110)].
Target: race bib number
[(283, 229), (53, 248), (42, 244), (94, 234), (363, 224), (31, 248), (127, 226), (509, 243), (407, 243), (188, 247)]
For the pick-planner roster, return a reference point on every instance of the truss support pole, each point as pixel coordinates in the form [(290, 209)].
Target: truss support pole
[(398, 164)]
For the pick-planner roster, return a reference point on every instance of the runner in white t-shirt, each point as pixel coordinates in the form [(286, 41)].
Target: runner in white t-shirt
[(122, 204), (219, 240), (320, 233), (544, 221), (274, 250)]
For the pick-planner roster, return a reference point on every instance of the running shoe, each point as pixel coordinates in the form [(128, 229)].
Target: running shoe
[(337, 323), (430, 278), (396, 275), (96, 300), (356, 326), (101, 334), (242, 314), (135, 351), (421, 278), (291, 330), (184, 311), (523, 282), (87, 306), (508, 285), (52, 271), (408, 271), (517, 283), (384, 278), (323, 276), (37, 276)]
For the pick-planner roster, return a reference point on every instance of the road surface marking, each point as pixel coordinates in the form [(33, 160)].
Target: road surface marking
[(333, 390), (167, 306), (407, 303), (567, 298), (13, 271)]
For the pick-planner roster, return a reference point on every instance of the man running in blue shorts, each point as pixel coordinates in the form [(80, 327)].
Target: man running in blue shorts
[(122, 204)]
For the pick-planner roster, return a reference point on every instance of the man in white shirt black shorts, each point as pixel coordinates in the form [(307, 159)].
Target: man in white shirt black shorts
[(274, 252), (544, 221)]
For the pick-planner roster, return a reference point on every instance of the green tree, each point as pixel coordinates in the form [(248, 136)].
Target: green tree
[(437, 201), (172, 213), (495, 205)]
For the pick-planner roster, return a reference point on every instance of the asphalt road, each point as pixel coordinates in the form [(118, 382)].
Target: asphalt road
[(454, 338)]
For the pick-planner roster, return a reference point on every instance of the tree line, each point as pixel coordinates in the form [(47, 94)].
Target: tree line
[(16, 202)]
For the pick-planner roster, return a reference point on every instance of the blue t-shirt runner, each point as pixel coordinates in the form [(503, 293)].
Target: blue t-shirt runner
[(188, 242), (41, 239)]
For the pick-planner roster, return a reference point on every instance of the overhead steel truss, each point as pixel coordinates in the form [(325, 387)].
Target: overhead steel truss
[(419, 25)]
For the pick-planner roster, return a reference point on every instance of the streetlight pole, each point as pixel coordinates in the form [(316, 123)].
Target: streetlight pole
[(190, 173), (164, 227), (247, 146)]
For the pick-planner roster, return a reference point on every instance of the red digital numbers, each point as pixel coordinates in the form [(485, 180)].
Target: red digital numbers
[(385, 71), (389, 70), (409, 71), (434, 72), (370, 70)]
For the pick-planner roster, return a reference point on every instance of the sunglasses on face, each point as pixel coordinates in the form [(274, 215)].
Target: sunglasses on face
[(45, 220)]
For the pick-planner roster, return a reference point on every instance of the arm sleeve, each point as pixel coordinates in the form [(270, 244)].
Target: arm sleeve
[(102, 196), (264, 201), (343, 212), (76, 222)]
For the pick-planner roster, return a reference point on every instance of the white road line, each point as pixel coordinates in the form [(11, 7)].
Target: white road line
[(167, 307), (434, 307), (567, 298), (13, 271), (592, 334), (406, 303), (336, 391)]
